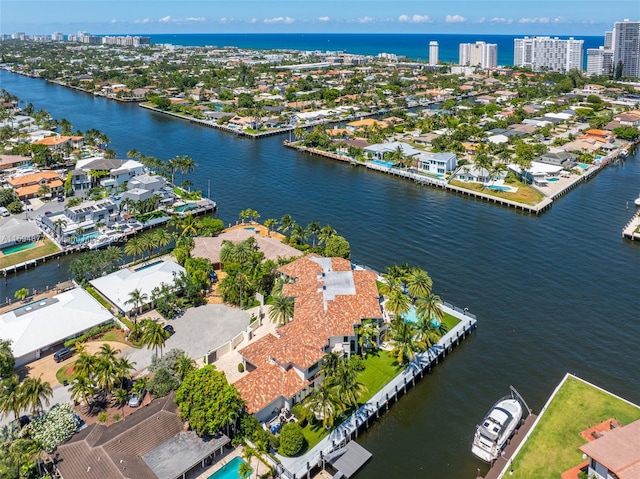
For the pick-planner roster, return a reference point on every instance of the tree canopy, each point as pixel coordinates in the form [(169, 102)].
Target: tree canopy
[(208, 401)]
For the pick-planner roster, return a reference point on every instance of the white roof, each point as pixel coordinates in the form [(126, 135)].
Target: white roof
[(117, 286), (537, 168), (52, 320)]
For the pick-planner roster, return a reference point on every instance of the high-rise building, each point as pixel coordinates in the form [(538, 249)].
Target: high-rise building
[(545, 53), (433, 53), (626, 47), (479, 54), (599, 61), (57, 36)]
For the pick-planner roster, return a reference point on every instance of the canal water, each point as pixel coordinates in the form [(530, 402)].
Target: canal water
[(553, 294)]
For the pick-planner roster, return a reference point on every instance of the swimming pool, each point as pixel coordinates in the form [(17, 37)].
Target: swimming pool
[(499, 188), (583, 166), (412, 317), (229, 470), (187, 207), (251, 228), (148, 265), (388, 164), (88, 237), (553, 180), (18, 247)]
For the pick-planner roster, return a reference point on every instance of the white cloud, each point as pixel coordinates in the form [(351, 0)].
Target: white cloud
[(114, 20), (481, 20), (455, 19), (560, 20), (414, 19), (166, 19), (143, 21), (534, 20), (323, 19), (285, 20), (508, 21), (169, 19), (253, 20), (223, 20), (365, 20), (195, 19)]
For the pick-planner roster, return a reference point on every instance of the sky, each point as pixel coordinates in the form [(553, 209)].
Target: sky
[(512, 17)]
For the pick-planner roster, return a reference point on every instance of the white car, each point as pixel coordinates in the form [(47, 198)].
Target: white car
[(135, 400)]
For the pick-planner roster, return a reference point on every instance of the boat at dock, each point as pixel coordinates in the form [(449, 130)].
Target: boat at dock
[(105, 240), (637, 201), (497, 427)]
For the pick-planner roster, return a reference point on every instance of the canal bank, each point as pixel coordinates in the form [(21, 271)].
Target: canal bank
[(546, 287)]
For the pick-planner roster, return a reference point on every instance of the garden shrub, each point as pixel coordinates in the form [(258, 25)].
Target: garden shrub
[(54, 427), (292, 439)]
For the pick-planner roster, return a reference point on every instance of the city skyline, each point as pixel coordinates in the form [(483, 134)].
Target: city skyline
[(559, 18)]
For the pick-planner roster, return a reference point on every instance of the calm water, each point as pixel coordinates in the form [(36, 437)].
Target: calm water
[(412, 45), (553, 294)]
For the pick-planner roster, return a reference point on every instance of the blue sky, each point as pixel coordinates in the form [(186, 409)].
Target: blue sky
[(558, 17)]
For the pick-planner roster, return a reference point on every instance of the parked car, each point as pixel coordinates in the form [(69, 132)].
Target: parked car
[(136, 398), (47, 213), (4, 211), (169, 329), (62, 354), (60, 199)]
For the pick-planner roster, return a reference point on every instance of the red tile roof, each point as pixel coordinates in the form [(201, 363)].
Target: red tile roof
[(319, 314), (618, 450)]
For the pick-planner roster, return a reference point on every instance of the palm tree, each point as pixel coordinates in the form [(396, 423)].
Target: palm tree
[(429, 307), (298, 234), (405, 342), (313, 230), (124, 367), (398, 303), (325, 233), (162, 237), (368, 333), (244, 470), (84, 365), (323, 402), (345, 380), (114, 255), (35, 394), (426, 332), (287, 223), (134, 247), (189, 225), (281, 311), (11, 400), (149, 241), (137, 298), (184, 365), (269, 223), (106, 368), (418, 283), (60, 224), (21, 294), (153, 336), (81, 389), (330, 365), (121, 396)]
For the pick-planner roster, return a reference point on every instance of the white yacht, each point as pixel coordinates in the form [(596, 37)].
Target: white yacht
[(496, 428), (637, 201)]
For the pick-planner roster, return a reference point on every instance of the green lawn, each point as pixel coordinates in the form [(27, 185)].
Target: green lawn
[(450, 321), (525, 194), (379, 368), (47, 248), (552, 447)]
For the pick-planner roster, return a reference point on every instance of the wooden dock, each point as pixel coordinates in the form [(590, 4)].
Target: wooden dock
[(632, 230), (503, 461)]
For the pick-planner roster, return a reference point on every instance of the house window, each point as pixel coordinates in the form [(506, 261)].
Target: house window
[(345, 339)]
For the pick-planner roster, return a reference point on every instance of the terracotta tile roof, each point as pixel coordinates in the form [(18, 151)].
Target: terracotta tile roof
[(33, 189), (330, 299), (32, 178), (53, 140), (618, 450), (115, 452), (260, 388)]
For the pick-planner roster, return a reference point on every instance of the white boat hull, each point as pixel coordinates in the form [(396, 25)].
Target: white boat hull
[(497, 427)]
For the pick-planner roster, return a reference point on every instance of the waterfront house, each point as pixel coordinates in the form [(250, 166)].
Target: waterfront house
[(58, 143), (27, 186), (331, 300), (150, 444), (119, 171), (117, 286), (16, 230), (558, 158), (8, 162), (536, 173), (615, 454), (629, 118), (469, 173), (437, 163), (147, 182), (378, 150), (42, 326)]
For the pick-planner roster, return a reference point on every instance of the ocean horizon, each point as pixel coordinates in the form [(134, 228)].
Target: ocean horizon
[(414, 46)]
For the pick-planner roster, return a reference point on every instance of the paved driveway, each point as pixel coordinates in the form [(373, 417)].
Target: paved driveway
[(198, 331)]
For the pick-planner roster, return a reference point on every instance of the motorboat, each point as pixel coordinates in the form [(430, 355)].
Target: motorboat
[(624, 153), (496, 428), (105, 240), (637, 201)]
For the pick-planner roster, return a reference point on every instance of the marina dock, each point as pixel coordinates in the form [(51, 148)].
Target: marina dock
[(632, 230), (334, 449)]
